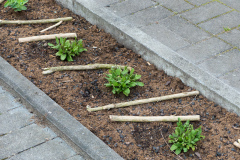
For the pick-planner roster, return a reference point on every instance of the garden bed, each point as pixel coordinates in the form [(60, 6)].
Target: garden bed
[(74, 90)]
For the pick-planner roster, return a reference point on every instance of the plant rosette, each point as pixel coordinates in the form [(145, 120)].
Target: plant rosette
[(185, 137), (122, 80), (67, 49), (17, 5)]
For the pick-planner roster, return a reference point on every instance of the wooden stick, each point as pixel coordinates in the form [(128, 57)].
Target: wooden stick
[(142, 101), (55, 25), (1, 1), (46, 37), (153, 118), (35, 21), (236, 144), (81, 67)]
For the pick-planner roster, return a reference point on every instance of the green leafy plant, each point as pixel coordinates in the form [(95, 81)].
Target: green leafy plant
[(67, 49), (121, 80), (185, 137), (17, 5)]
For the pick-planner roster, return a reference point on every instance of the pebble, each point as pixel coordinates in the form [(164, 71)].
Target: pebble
[(218, 154), (156, 149), (233, 150)]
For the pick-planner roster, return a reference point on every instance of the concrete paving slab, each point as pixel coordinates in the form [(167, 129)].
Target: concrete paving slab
[(148, 16), (127, 7), (55, 149), (232, 79), (205, 12), (8, 103), (183, 28), (217, 24), (164, 35), (222, 63), (232, 3), (15, 119), (22, 139), (175, 5), (77, 157), (206, 49), (232, 37), (106, 2), (198, 2)]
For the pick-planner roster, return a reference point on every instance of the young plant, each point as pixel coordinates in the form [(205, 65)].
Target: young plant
[(67, 49), (17, 5), (227, 29), (122, 80), (185, 137)]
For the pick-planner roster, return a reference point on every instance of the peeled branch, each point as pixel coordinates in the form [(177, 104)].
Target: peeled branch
[(142, 101), (81, 67), (55, 25), (153, 118), (35, 21), (236, 144), (1, 1), (47, 37)]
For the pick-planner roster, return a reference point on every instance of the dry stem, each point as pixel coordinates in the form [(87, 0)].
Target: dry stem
[(142, 101), (81, 67), (153, 118), (1, 1), (55, 25), (35, 21), (236, 144), (47, 37)]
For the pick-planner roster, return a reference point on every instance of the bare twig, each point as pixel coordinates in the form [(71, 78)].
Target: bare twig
[(169, 146), (236, 128), (47, 37), (153, 118), (142, 101), (236, 144), (55, 25), (35, 21), (81, 67), (1, 1)]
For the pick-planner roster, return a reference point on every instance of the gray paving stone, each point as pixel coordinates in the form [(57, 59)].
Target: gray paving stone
[(22, 139), (175, 5), (183, 28), (127, 7), (165, 36), (106, 2), (15, 119), (232, 37), (232, 3), (222, 64), (7, 102), (147, 16), (232, 79), (55, 149), (198, 2), (2, 91), (204, 50), (205, 12), (77, 157), (217, 24)]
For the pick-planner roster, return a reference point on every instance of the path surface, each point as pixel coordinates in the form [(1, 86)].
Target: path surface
[(195, 40), (21, 138)]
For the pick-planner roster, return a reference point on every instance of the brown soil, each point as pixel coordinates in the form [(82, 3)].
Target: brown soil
[(73, 90)]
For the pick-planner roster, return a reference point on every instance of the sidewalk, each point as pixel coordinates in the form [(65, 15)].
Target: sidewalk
[(22, 138), (195, 40)]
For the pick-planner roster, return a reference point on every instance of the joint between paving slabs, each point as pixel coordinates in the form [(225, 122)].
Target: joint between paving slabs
[(30, 147)]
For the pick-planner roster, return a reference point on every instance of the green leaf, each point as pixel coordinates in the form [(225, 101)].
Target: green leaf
[(63, 56), (50, 44), (185, 149), (108, 85), (173, 147), (69, 58), (137, 77), (124, 72), (126, 91), (131, 72), (139, 84), (58, 54), (178, 151), (57, 40)]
